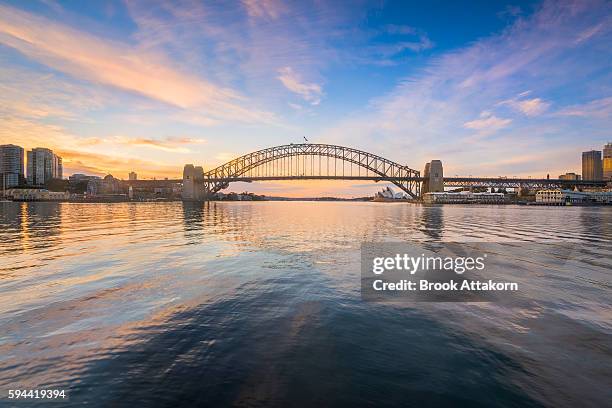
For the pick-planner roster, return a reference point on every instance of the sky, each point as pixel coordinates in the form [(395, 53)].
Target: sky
[(505, 88)]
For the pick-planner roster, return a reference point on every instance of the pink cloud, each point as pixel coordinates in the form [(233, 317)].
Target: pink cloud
[(487, 124), (264, 8), (599, 108), (310, 92)]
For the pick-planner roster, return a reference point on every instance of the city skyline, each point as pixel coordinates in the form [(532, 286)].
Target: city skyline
[(491, 89), (16, 162)]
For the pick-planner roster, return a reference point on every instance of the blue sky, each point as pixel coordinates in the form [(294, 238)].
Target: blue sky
[(490, 88)]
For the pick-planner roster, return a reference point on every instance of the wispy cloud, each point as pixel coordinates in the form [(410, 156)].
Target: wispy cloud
[(42, 95), (435, 112), (400, 29), (599, 108), (510, 12), (310, 92), (172, 144), (532, 107), (589, 32), (487, 124), (529, 107), (119, 65), (391, 43), (264, 8), (307, 37), (167, 144)]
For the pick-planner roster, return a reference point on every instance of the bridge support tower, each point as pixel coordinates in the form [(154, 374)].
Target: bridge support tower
[(193, 185), (434, 177)]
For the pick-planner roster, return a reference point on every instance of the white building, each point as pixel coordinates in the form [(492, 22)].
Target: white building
[(464, 197), (387, 193), (36, 194), (568, 197)]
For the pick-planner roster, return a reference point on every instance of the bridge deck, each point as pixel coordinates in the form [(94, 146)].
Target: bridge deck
[(449, 181)]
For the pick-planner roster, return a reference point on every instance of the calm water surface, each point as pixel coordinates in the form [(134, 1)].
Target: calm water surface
[(258, 304)]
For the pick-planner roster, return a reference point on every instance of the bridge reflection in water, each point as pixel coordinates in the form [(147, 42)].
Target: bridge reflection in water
[(311, 161)]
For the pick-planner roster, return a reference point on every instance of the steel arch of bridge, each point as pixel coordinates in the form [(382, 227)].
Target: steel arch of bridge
[(402, 176)]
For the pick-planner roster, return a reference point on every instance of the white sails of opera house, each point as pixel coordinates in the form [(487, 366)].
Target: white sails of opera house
[(387, 193)]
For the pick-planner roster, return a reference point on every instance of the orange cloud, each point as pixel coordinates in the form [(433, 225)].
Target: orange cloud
[(112, 154), (100, 164), (168, 144), (28, 133)]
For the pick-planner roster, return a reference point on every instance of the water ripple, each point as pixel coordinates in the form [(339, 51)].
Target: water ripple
[(255, 304)]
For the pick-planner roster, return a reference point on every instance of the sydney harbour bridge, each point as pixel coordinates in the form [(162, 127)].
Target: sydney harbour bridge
[(313, 161), (303, 161)]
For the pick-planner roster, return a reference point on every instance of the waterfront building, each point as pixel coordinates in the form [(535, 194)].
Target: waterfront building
[(464, 197), (569, 197), (36, 194), (11, 165), (556, 197), (592, 168), (570, 176), (132, 176), (43, 166), (387, 193), (607, 162), (105, 186)]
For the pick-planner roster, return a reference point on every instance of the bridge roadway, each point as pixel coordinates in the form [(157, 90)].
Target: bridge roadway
[(448, 181)]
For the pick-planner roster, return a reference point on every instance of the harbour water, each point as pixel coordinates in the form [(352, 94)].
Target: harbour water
[(258, 304)]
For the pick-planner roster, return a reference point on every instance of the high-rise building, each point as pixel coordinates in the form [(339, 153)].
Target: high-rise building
[(133, 176), (11, 165), (607, 161), (58, 167), (592, 168), (43, 166)]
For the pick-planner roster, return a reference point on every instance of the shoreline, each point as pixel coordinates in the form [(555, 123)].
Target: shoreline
[(348, 200)]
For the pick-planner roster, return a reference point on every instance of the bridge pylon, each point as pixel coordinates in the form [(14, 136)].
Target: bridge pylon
[(194, 189), (433, 177)]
